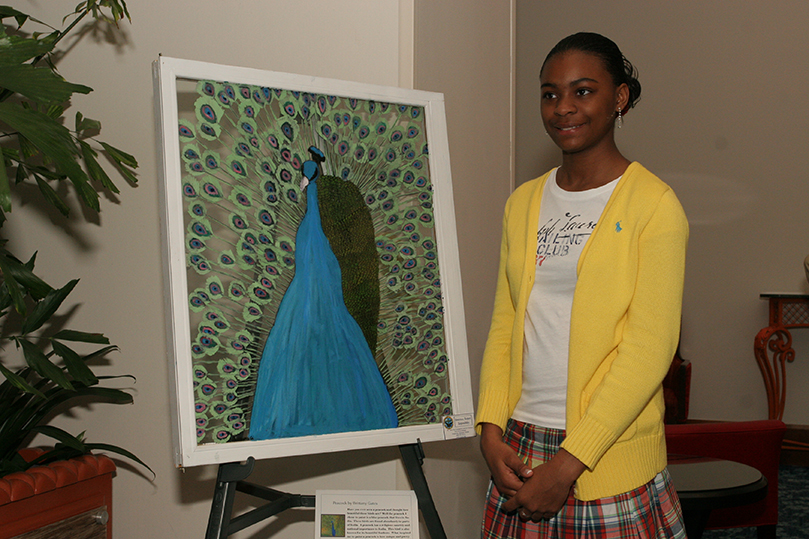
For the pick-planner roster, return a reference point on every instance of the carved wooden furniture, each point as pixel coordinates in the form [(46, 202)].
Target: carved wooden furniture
[(773, 350)]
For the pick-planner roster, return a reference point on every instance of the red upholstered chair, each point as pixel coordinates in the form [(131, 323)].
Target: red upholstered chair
[(676, 389), (755, 443)]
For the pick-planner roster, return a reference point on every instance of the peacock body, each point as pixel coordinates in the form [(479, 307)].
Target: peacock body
[(244, 150), (317, 373)]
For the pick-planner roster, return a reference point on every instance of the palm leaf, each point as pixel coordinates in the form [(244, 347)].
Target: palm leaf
[(61, 435), (75, 364), (39, 84), (16, 427), (23, 274), (16, 50), (42, 365), (7, 11), (47, 307), (14, 463), (94, 169), (119, 450), (54, 141), (122, 160), (83, 125), (50, 195), (5, 189), (81, 336), (11, 285), (19, 382)]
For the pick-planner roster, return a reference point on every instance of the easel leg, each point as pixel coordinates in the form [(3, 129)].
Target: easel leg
[(413, 457), (224, 494), (231, 477)]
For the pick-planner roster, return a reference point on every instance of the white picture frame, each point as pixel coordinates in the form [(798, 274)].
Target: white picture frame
[(173, 78)]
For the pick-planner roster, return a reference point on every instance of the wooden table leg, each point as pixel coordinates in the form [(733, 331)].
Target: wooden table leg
[(695, 522), (766, 532)]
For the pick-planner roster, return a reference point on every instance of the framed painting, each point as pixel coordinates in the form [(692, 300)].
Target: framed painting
[(313, 287)]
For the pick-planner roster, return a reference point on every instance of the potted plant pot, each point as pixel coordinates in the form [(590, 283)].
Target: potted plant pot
[(67, 498)]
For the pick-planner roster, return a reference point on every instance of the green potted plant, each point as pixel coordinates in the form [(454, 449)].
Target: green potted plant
[(39, 147)]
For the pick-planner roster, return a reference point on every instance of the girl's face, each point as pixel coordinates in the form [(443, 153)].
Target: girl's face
[(579, 101)]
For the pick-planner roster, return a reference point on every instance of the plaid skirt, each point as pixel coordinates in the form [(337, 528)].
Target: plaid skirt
[(651, 511)]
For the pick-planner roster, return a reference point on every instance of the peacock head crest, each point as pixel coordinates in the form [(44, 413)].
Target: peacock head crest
[(311, 168)]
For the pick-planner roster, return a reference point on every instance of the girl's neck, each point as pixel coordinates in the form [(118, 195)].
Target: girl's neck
[(580, 172)]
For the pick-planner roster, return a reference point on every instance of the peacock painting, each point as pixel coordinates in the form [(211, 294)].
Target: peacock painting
[(314, 291)]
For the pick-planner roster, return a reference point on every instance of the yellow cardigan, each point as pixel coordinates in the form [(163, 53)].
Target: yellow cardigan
[(624, 329)]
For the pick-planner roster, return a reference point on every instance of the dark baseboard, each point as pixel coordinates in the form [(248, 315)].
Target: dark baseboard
[(796, 457)]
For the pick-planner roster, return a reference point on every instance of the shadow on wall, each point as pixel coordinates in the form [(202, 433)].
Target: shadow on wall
[(707, 200), (541, 161), (460, 464), (710, 200)]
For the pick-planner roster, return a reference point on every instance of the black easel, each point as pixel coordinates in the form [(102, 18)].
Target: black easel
[(232, 476)]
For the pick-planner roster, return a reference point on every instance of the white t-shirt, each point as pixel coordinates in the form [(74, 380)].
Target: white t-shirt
[(566, 221)]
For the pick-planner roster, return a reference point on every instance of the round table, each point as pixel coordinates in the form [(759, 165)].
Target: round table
[(704, 484)]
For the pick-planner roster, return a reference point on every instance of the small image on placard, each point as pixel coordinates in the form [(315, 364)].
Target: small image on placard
[(332, 525)]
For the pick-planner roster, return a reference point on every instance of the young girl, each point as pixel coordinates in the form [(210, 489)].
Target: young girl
[(585, 325)]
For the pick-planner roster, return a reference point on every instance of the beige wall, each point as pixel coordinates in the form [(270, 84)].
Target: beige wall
[(463, 49), (118, 256), (723, 119)]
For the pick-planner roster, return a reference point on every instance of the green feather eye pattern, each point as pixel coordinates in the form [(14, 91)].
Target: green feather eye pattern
[(242, 148)]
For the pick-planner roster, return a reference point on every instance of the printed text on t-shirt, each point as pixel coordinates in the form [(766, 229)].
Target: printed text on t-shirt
[(555, 237)]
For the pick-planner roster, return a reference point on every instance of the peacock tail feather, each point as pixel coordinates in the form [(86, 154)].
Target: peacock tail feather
[(242, 150), (348, 225)]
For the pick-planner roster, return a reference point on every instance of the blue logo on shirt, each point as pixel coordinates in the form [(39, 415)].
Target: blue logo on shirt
[(618, 226)]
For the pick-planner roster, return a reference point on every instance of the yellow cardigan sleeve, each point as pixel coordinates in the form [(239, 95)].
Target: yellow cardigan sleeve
[(501, 370), (495, 371), (624, 384)]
